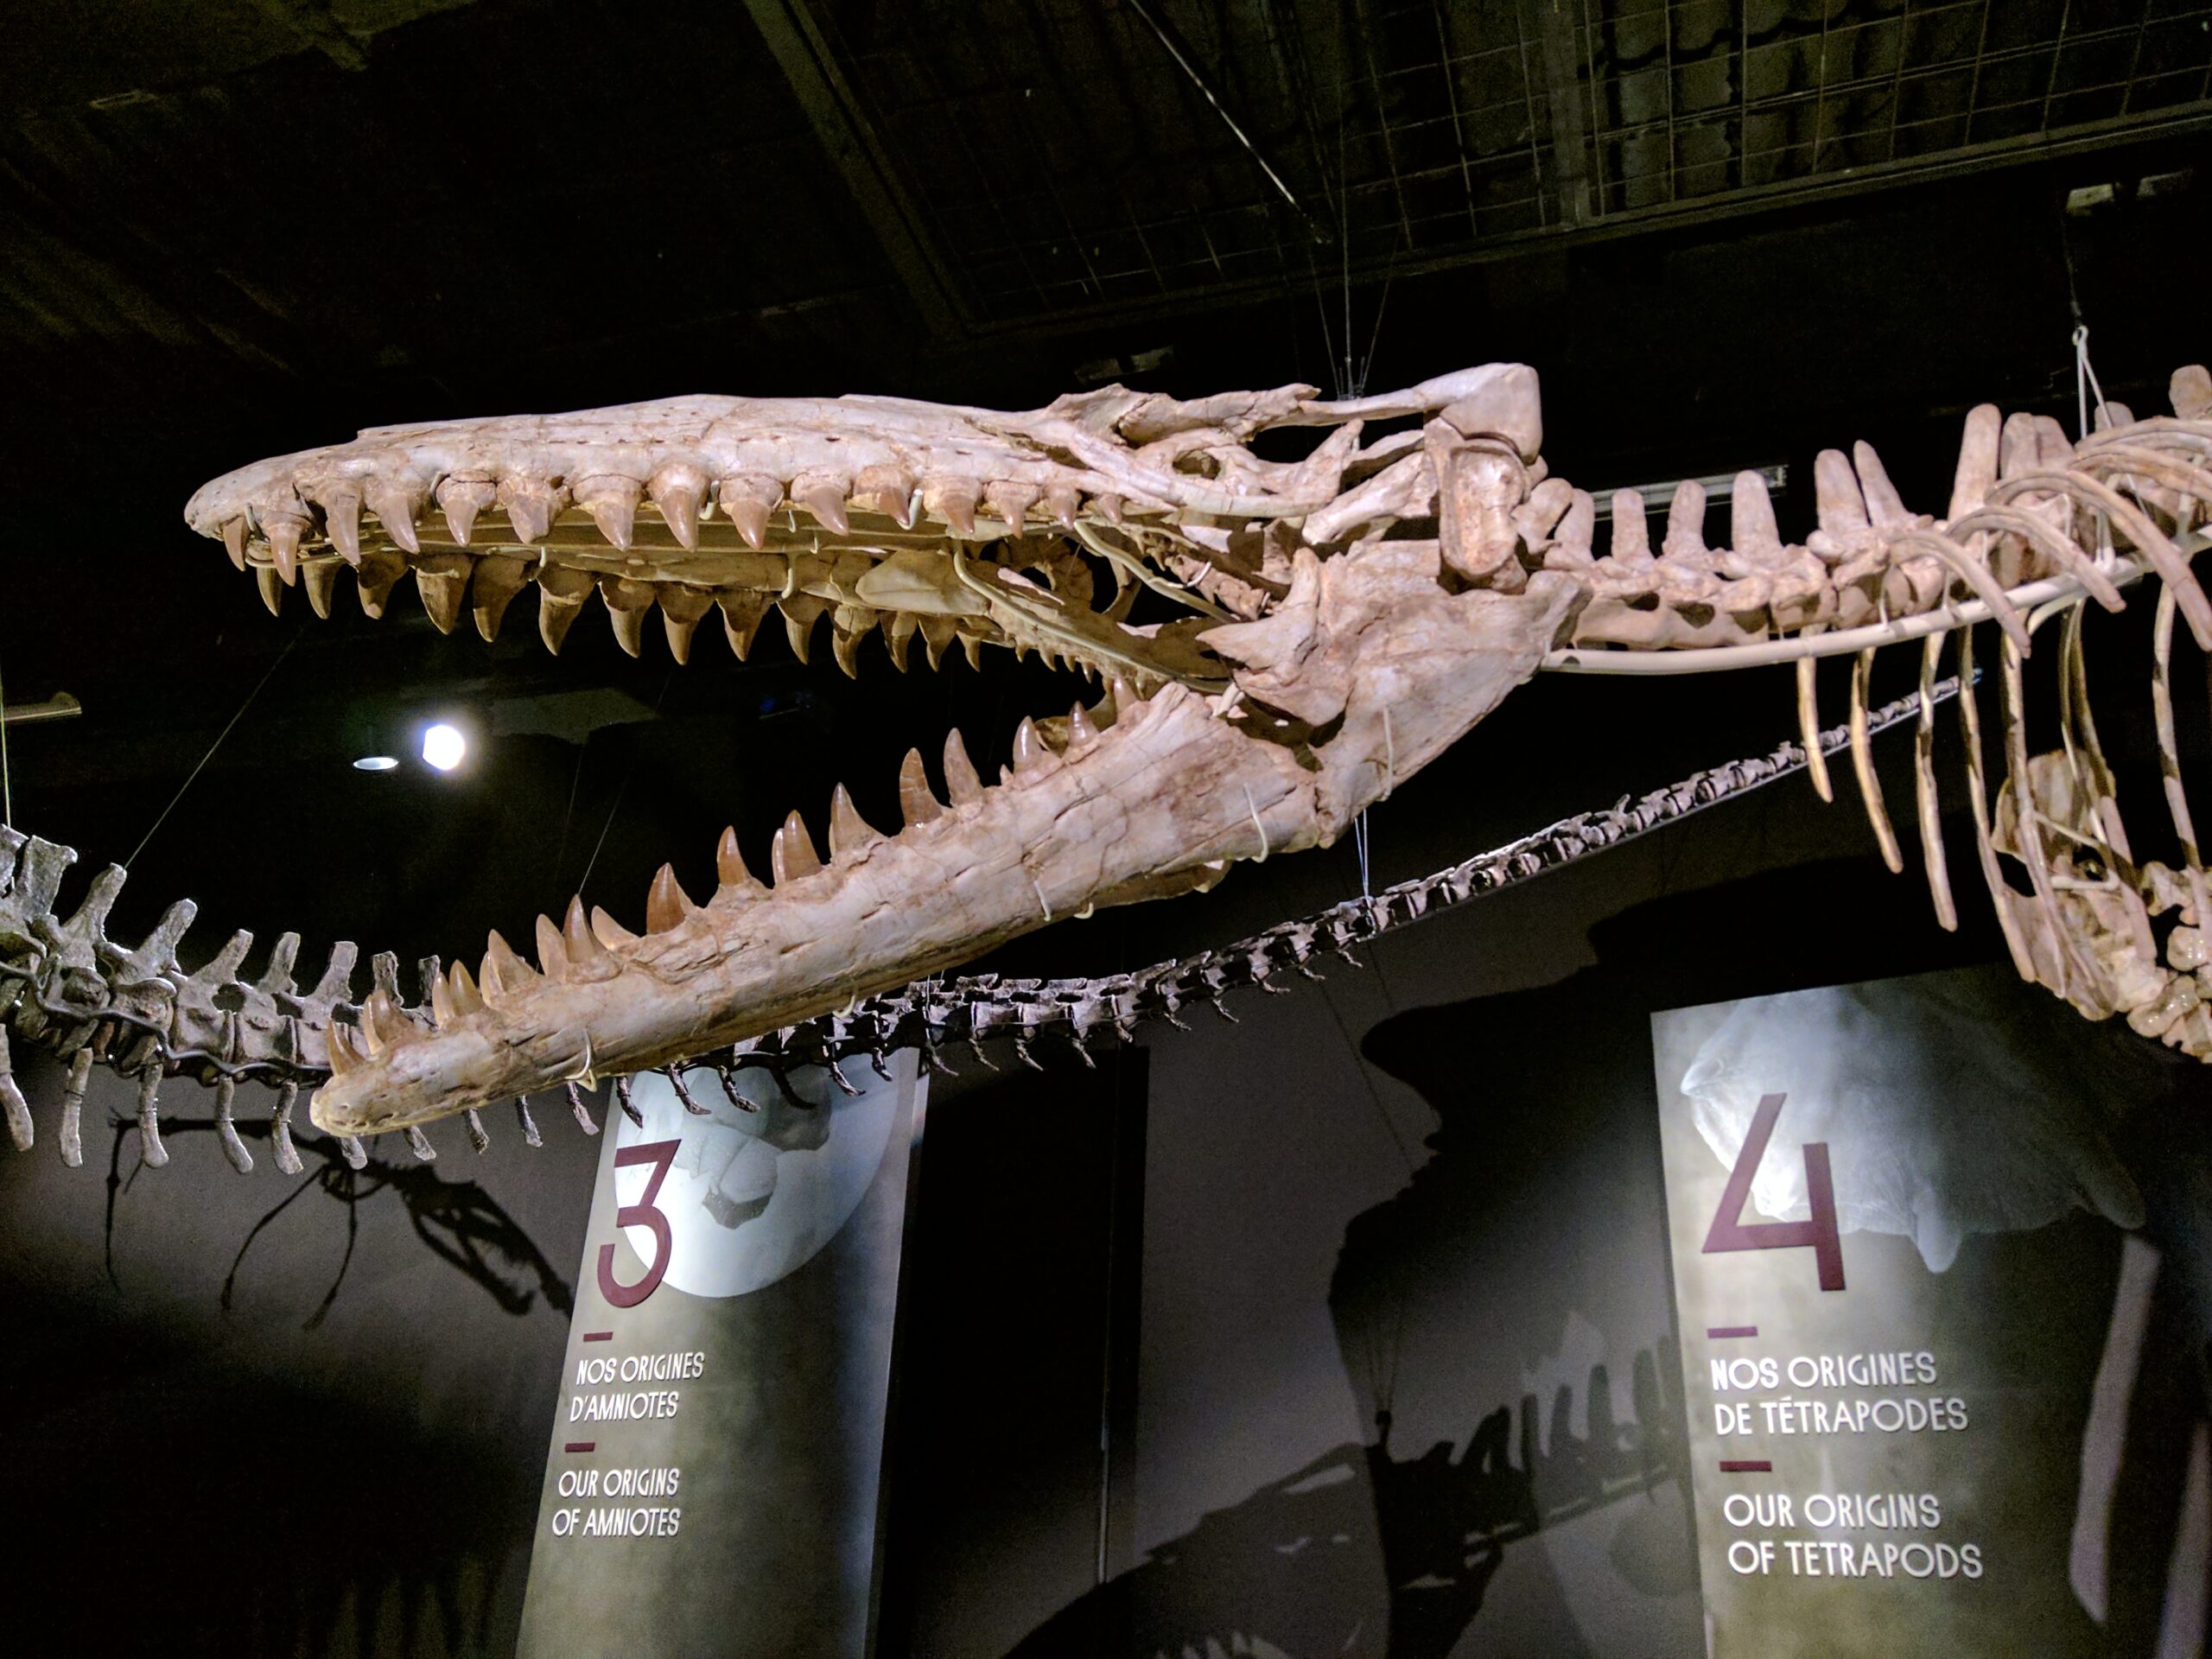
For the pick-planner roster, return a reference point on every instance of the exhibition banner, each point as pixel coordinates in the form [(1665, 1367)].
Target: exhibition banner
[(1942, 1358), (717, 1451)]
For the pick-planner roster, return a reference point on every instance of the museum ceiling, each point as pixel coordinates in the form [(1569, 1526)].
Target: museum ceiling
[(1726, 233)]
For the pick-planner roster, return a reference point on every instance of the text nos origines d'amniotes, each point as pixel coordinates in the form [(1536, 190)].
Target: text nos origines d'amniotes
[(1800, 1411), (612, 1395)]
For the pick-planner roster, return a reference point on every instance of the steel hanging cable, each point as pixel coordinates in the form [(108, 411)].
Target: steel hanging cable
[(260, 686)]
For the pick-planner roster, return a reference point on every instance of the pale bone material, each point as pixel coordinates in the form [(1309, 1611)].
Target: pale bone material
[(1350, 615)]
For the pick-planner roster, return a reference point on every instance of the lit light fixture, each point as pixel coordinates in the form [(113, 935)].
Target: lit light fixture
[(444, 747), (376, 763)]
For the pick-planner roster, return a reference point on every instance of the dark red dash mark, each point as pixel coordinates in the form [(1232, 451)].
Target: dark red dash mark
[(1736, 1466), (609, 1335), (1715, 1331), (593, 1446)]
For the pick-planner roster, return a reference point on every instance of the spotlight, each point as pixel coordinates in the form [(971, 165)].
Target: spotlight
[(376, 763), (444, 747)]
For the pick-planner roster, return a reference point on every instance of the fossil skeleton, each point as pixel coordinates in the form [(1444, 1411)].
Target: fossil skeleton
[(1332, 625)]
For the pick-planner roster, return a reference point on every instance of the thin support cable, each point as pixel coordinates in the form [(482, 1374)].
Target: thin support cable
[(259, 687), (620, 790), (7, 781)]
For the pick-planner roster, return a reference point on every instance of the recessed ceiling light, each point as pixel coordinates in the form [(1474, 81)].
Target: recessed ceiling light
[(376, 763), (444, 747)]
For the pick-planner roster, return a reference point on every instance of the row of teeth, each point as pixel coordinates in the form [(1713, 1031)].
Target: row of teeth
[(589, 945), (2021, 484)]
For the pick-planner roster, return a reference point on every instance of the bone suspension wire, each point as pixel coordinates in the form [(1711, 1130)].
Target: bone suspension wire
[(7, 781), (260, 686)]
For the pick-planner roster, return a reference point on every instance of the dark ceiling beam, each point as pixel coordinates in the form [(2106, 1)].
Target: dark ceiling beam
[(1546, 30), (851, 140)]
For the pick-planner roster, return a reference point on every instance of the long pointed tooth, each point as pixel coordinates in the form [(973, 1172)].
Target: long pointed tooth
[(379, 573), (503, 972), (729, 866), (1841, 507), (846, 648), (628, 603), (961, 782), (608, 932), (611, 500), (272, 588), (917, 802), (234, 533), (938, 632), (461, 499), (973, 644), (823, 496), (442, 579), (320, 578), (953, 500), (848, 831), (791, 855), (888, 490), (1028, 744), (749, 500), (580, 943), (679, 490), (339, 1051), (442, 1011), (1062, 503), (667, 904), (563, 593), (1631, 542), (382, 1023), (898, 629), (552, 954), (341, 521), (1080, 730), (492, 587), (801, 612), (397, 507), (285, 531), (742, 614), (531, 505), (462, 990), (1010, 501), (681, 609)]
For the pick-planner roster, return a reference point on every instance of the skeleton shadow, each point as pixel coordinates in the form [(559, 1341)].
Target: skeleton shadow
[(457, 1221)]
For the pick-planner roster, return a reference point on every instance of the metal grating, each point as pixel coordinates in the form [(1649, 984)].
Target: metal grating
[(1073, 166)]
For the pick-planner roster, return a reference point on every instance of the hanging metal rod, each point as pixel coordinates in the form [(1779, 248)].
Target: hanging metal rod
[(60, 706)]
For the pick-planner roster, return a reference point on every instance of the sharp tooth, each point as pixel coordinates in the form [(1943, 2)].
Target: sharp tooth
[(1062, 502), (465, 998), (667, 904), (234, 531), (379, 574), (320, 578), (681, 609), (1835, 493), (938, 632), (1631, 542), (608, 932), (791, 855), (848, 831), (581, 945), (611, 500), (492, 589), (503, 974), (960, 783), (953, 499), (338, 1050), (749, 500), (531, 505), (888, 490), (742, 613), (1080, 730), (441, 1009), (973, 644), (383, 1022), (898, 635), (461, 500), (284, 531), (1108, 507), (272, 588), (627, 602), (1011, 502), (442, 579), (1028, 744), (917, 802), (679, 490), (397, 507), (801, 612), (824, 495), (552, 955), (342, 520), (563, 593), (845, 646), (729, 867)]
